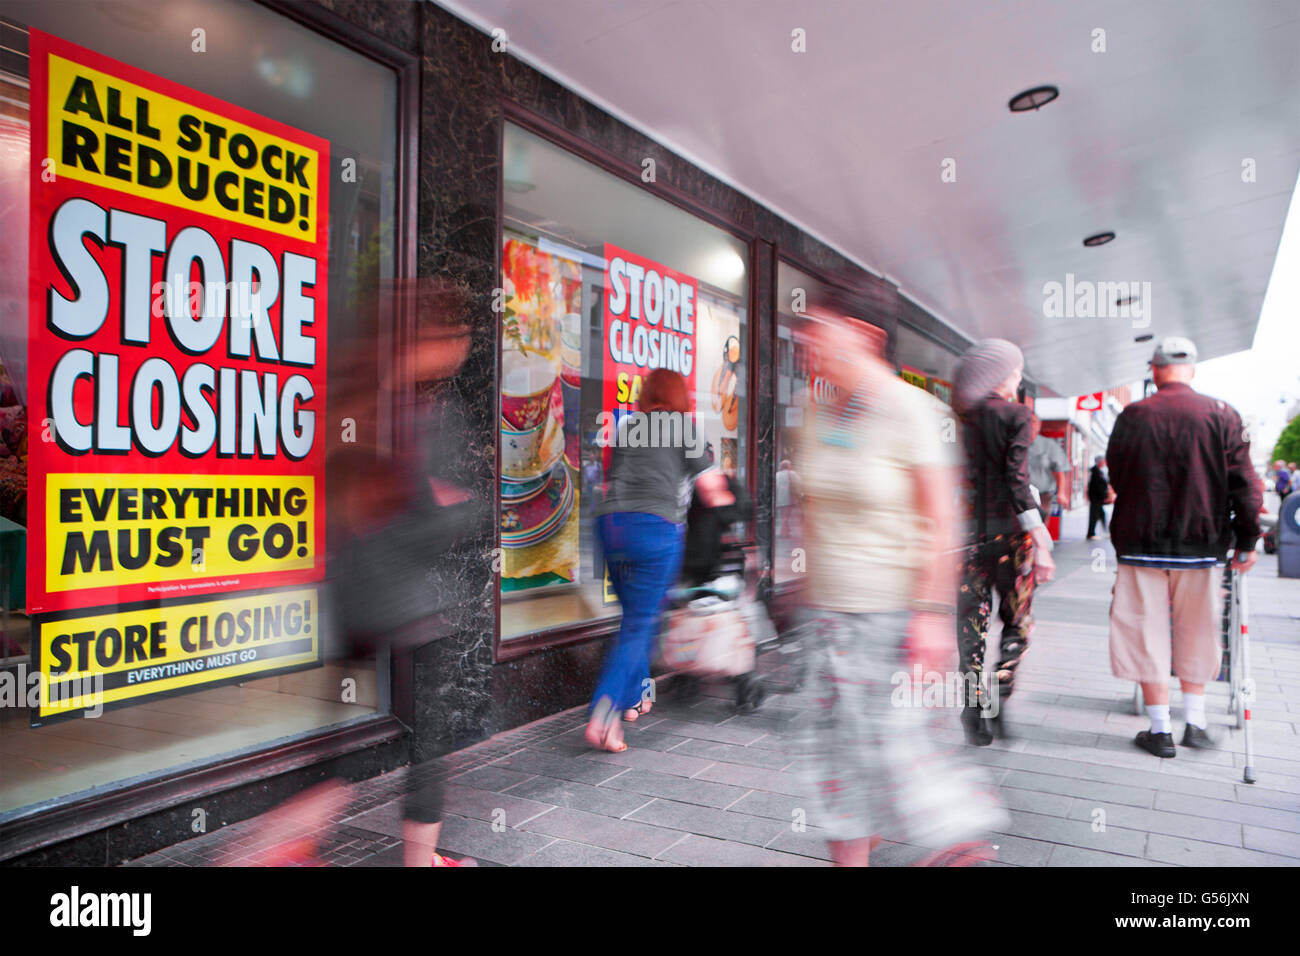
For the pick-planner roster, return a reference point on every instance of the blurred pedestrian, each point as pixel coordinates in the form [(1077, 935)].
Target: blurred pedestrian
[(1008, 547), (880, 591), (1099, 495), (1048, 470), (398, 512), (641, 525), (1185, 493)]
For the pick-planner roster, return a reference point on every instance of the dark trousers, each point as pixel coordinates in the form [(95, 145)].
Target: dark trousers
[(1095, 513), (1004, 562)]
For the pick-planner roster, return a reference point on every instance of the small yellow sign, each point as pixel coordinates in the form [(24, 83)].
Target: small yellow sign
[(113, 530), (86, 662)]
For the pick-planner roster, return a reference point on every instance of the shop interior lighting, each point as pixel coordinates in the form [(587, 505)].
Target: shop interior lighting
[(726, 267), (1033, 99), (1100, 239), (569, 252)]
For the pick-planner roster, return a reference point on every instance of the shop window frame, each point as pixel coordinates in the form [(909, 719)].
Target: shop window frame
[(45, 824), (513, 112)]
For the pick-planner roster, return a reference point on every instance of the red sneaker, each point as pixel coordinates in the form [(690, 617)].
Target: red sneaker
[(440, 860)]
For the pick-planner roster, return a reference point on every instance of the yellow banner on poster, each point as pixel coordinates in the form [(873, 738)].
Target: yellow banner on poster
[(85, 663), (113, 530), (110, 132)]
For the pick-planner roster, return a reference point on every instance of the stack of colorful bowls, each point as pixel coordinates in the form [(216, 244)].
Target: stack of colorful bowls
[(533, 511)]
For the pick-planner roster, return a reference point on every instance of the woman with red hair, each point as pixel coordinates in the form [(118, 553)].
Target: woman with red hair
[(656, 455)]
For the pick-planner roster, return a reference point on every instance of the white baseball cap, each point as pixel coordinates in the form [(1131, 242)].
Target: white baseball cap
[(1174, 350)]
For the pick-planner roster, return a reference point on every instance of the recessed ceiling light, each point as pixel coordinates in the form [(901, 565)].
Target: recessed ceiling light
[(1100, 239), (1033, 99), (1144, 338)]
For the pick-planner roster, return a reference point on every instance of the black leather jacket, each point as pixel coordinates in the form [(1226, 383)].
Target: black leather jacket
[(996, 435)]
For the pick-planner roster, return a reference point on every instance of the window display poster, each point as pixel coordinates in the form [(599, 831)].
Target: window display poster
[(941, 390), (176, 354), (721, 365), (649, 323), (541, 416)]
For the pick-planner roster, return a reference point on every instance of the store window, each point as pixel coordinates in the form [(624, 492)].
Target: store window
[(925, 363), (603, 282), (798, 386), (213, 188)]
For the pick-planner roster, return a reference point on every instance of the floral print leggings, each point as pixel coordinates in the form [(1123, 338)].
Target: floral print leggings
[(1004, 562)]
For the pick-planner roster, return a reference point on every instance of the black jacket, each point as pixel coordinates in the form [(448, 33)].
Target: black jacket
[(1184, 485), (996, 435), (704, 550), (1097, 486)]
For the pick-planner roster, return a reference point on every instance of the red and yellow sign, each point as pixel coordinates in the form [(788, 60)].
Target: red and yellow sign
[(649, 324), (177, 339)]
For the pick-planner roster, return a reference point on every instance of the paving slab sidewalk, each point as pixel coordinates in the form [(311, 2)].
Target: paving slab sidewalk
[(703, 786)]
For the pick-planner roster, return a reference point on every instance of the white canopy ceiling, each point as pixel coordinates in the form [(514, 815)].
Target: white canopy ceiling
[(1182, 137)]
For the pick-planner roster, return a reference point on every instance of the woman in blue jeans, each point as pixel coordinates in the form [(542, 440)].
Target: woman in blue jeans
[(656, 455)]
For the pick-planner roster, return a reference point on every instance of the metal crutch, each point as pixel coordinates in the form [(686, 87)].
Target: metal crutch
[(1243, 686)]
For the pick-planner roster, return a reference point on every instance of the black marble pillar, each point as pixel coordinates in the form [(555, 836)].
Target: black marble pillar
[(763, 422)]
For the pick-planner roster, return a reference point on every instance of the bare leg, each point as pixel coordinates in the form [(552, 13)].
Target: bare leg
[(1188, 688), (293, 829), (1156, 694), (420, 841), (852, 852)]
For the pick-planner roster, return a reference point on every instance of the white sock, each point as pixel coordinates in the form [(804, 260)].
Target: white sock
[(1159, 714), (1194, 709)]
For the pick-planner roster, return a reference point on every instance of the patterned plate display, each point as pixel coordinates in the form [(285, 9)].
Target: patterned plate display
[(550, 455), (539, 517)]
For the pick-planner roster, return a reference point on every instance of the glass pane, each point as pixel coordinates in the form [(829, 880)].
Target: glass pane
[(237, 69), (603, 283)]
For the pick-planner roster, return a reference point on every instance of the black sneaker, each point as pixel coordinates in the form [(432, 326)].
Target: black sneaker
[(1197, 738), (1162, 745)]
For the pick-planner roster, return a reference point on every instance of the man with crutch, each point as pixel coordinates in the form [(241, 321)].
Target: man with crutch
[(1185, 493)]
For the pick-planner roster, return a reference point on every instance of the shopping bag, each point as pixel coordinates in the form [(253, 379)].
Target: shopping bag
[(709, 638)]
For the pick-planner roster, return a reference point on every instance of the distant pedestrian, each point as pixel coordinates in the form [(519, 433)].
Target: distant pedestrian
[(1049, 470), (1282, 478), (1099, 495), (1186, 492), (1008, 547), (787, 498)]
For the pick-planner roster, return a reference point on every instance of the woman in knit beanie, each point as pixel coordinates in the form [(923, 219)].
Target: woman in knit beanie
[(1008, 548), (985, 367)]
